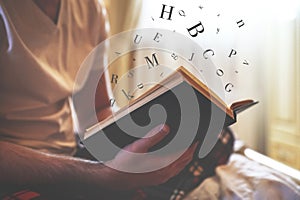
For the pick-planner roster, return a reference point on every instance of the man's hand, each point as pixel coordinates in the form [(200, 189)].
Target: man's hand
[(24, 166), (125, 159)]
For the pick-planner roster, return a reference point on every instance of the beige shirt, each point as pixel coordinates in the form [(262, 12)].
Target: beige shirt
[(38, 64)]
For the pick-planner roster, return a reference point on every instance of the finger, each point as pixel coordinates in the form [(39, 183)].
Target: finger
[(174, 159), (177, 166), (187, 156), (152, 138), (103, 113), (190, 152)]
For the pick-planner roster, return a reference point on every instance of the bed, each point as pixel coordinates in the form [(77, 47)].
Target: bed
[(249, 175)]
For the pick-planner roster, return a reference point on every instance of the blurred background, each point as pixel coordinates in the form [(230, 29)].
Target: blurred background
[(269, 41)]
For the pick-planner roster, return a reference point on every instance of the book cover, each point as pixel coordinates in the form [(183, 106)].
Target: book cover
[(207, 117)]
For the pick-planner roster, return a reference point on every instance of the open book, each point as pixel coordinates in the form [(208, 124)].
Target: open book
[(213, 111)]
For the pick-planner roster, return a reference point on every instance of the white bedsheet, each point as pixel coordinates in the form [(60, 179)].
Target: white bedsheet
[(245, 179)]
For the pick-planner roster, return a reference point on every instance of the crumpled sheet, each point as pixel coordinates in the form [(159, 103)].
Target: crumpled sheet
[(245, 179)]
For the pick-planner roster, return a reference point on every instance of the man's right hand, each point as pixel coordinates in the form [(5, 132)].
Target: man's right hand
[(122, 180)]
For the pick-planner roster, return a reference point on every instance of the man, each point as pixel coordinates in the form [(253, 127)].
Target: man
[(42, 44)]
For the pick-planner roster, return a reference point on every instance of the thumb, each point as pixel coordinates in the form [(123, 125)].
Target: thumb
[(151, 138)]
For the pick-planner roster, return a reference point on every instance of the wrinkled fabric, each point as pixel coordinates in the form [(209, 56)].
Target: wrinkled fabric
[(244, 179)]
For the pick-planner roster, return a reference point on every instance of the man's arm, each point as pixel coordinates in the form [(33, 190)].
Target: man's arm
[(23, 166)]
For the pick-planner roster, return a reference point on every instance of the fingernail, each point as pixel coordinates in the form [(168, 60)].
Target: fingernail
[(164, 128)]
